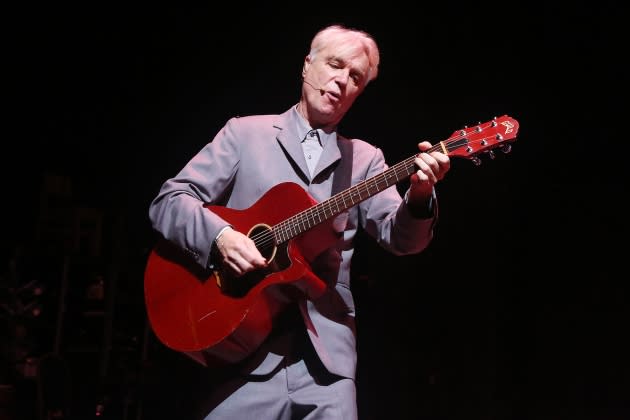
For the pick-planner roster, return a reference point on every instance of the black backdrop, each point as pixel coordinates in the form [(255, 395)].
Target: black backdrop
[(515, 311)]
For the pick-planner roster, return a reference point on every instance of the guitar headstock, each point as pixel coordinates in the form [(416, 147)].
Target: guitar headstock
[(469, 142)]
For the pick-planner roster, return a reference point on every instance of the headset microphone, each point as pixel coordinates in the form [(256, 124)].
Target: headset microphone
[(320, 90)]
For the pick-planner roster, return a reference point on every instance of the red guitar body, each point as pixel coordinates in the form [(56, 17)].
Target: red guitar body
[(190, 313)]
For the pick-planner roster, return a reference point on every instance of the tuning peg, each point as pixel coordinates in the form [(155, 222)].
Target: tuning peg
[(491, 154), (476, 160), (506, 148)]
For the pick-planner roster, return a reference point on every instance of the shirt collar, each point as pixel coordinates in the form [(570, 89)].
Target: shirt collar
[(303, 128)]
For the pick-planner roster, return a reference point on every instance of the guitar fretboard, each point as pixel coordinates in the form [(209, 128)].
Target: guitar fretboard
[(466, 142), (307, 219)]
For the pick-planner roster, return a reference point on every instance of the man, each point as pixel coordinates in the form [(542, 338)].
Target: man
[(306, 366)]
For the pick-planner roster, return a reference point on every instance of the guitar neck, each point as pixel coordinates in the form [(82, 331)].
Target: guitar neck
[(467, 143), (309, 218)]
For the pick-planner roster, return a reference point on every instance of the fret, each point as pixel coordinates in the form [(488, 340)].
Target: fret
[(466, 143)]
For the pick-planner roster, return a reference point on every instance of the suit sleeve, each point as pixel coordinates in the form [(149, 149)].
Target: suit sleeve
[(387, 218), (178, 212)]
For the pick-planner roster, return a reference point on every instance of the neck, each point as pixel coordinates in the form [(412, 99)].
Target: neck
[(303, 110)]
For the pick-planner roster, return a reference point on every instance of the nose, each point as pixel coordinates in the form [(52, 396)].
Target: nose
[(342, 76)]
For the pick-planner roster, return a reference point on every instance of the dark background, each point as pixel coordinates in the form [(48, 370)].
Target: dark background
[(518, 308)]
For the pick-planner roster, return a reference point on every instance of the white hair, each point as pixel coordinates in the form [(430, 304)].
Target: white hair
[(347, 38)]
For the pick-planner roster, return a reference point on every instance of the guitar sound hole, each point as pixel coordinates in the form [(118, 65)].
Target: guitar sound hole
[(262, 235)]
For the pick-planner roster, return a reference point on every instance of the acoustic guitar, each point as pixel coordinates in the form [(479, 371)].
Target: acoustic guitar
[(215, 318)]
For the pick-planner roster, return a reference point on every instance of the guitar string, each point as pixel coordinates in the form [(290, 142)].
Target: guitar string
[(267, 238)]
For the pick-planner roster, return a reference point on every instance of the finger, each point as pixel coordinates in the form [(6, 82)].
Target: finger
[(253, 255), (239, 265), (425, 169), (423, 146), (257, 260), (442, 160)]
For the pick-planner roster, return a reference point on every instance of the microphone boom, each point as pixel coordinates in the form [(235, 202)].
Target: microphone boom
[(320, 90)]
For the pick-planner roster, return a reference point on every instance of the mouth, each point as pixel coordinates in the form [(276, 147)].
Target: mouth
[(335, 97)]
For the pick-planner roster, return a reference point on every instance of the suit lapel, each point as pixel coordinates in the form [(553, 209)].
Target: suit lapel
[(290, 139), (330, 155)]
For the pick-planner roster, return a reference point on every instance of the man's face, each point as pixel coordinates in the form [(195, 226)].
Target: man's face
[(334, 78)]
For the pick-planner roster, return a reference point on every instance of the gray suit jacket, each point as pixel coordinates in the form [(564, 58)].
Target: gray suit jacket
[(247, 157)]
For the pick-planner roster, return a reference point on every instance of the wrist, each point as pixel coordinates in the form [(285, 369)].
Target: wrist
[(420, 208), (217, 240)]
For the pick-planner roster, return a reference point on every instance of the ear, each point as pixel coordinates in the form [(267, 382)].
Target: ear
[(307, 63)]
